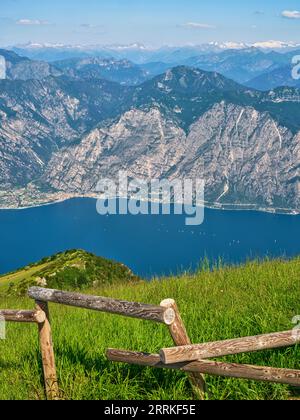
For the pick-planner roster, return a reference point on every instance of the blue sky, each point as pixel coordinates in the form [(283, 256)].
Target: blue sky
[(152, 22)]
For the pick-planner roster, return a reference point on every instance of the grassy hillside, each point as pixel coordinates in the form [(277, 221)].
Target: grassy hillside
[(70, 270), (229, 302)]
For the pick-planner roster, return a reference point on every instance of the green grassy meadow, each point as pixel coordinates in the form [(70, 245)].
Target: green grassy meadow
[(256, 298)]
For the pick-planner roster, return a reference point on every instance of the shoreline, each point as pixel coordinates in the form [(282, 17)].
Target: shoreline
[(208, 205)]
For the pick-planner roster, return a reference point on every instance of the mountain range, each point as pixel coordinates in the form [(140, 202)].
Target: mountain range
[(83, 119), (140, 53), (241, 65), (250, 65)]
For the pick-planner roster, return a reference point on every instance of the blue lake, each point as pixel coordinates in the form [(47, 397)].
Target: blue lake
[(149, 245)]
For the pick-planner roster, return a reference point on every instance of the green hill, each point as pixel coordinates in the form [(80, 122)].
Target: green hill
[(228, 302), (70, 270)]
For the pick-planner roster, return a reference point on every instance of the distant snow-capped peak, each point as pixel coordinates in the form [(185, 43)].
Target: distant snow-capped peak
[(135, 46), (214, 46), (33, 45), (275, 45), (229, 45), (272, 44)]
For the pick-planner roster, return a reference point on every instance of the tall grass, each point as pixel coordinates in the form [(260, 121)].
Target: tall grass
[(226, 303)]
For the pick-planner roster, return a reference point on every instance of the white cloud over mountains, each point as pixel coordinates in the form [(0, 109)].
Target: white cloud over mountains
[(196, 25)]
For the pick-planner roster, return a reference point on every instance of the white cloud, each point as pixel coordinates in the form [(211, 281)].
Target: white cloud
[(32, 22), (291, 14), (195, 25), (91, 26), (88, 26)]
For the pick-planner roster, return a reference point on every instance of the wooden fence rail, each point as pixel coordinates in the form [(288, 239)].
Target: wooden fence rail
[(103, 304), (229, 347), (230, 370), (22, 316)]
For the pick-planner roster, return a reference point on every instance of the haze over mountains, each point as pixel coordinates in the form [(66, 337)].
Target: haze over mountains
[(67, 123), (281, 76), (140, 53)]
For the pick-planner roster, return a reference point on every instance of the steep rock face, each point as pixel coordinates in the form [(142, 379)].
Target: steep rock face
[(244, 156), (142, 143), (34, 121), (247, 158), (39, 117)]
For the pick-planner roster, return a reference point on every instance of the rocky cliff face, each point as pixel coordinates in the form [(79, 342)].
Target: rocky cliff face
[(59, 137), (245, 157), (143, 143), (37, 118), (248, 158)]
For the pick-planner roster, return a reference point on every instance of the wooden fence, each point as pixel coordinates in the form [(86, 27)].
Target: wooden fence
[(185, 356), (167, 313)]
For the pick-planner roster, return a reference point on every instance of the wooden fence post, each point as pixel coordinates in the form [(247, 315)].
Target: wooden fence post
[(48, 359), (180, 337)]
